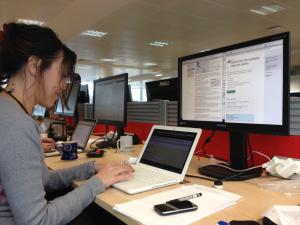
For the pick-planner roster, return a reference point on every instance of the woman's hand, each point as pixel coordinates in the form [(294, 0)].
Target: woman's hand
[(114, 172), (48, 144)]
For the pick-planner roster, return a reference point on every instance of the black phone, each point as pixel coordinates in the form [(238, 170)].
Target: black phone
[(175, 207)]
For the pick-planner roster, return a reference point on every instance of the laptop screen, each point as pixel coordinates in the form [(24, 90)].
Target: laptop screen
[(168, 149), (83, 132)]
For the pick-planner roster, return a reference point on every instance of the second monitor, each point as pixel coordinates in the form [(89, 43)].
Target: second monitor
[(110, 101), (162, 90)]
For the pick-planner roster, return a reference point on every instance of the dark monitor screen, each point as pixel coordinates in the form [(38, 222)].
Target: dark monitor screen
[(129, 94), (71, 103), (110, 101), (162, 90), (84, 96), (242, 88)]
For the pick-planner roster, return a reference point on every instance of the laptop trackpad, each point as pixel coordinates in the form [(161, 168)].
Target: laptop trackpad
[(132, 184)]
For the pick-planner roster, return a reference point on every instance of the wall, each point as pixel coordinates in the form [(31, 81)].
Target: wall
[(219, 144)]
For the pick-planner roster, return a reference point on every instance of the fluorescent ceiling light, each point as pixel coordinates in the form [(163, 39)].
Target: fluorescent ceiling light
[(158, 75), (205, 50), (150, 64), (159, 43), (107, 60), (94, 33), (267, 9), (31, 22)]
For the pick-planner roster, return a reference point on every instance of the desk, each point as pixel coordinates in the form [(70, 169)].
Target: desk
[(255, 201)]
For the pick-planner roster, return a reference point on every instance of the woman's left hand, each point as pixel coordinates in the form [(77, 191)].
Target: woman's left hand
[(48, 144)]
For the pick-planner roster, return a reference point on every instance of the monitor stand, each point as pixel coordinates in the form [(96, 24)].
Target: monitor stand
[(238, 161), (112, 143), (221, 173)]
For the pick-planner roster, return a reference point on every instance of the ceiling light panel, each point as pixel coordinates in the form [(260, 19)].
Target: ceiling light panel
[(159, 43), (150, 64), (267, 9), (107, 60), (30, 22), (94, 33)]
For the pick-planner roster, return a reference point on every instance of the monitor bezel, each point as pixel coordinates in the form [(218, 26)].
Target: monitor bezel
[(282, 130), (113, 122)]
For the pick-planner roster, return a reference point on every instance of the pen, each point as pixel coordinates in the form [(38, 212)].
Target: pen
[(185, 198)]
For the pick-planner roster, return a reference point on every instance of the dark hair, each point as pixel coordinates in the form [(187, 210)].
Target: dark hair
[(20, 41)]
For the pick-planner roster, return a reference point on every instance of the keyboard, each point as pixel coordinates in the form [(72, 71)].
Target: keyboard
[(150, 176)]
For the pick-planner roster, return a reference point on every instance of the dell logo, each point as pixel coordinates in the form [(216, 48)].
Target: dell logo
[(221, 125), (164, 83)]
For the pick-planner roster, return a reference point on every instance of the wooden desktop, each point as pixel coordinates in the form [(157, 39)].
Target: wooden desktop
[(255, 201)]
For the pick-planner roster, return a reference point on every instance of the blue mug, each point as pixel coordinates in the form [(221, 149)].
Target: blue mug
[(67, 149)]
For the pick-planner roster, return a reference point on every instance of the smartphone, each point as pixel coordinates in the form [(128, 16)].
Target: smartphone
[(175, 207)]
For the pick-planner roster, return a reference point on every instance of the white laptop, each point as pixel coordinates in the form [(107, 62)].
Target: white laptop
[(167, 152), (81, 134)]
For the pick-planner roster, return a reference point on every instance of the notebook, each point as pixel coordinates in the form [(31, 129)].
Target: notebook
[(45, 124), (167, 152), (81, 134)]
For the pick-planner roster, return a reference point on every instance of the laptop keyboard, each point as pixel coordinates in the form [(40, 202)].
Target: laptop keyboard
[(150, 176)]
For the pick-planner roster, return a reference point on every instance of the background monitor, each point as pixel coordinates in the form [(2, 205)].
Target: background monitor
[(110, 101), (242, 88), (295, 86), (129, 94), (162, 90), (38, 111), (84, 96), (72, 103)]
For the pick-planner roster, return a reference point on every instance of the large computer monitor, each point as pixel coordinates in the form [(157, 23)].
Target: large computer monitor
[(162, 90), (110, 101), (242, 88)]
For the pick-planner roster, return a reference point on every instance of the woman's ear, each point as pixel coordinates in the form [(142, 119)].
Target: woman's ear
[(34, 63)]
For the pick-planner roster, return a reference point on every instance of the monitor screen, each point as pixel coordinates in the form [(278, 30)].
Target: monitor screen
[(295, 86), (84, 96), (110, 101), (71, 103), (83, 132), (242, 88), (129, 94), (38, 111), (162, 90)]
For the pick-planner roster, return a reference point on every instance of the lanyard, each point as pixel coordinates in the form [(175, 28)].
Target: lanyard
[(10, 93)]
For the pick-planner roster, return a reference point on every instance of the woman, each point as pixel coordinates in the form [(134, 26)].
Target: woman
[(35, 65)]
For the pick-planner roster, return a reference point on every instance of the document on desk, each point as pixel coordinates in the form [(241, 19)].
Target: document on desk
[(212, 200), (283, 215)]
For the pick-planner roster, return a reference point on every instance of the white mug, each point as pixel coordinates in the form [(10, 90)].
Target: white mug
[(125, 143)]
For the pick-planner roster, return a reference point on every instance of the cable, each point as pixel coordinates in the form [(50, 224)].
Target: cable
[(215, 164), (262, 155), (95, 141), (226, 178), (251, 152), (206, 142)]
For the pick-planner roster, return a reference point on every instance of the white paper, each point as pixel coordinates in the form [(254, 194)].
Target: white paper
[(283, 215), (212, 200)]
